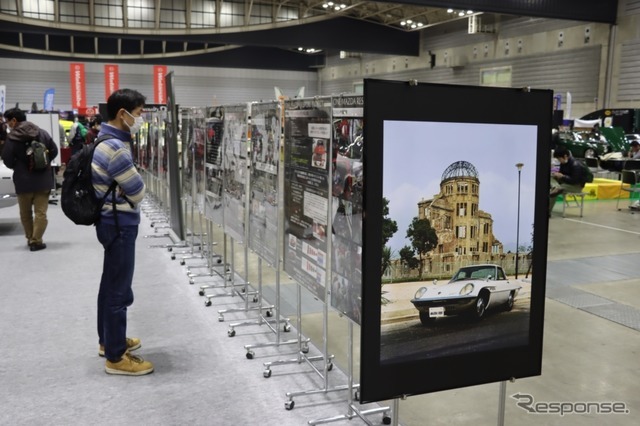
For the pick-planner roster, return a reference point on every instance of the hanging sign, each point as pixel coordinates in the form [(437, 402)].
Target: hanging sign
[(111, 79), (159, 89), (78, 88)]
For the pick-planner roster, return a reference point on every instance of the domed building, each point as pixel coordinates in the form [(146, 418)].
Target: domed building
[(465, 233)]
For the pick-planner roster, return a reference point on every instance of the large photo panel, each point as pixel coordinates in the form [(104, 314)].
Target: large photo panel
[(456, 219)]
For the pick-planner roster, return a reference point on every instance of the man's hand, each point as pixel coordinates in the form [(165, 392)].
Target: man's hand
[(557, 175)]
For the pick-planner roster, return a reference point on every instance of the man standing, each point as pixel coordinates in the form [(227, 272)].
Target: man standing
[(32, 186), (117, 231)]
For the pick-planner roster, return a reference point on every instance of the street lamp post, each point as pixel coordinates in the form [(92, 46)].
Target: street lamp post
[(519, 166)]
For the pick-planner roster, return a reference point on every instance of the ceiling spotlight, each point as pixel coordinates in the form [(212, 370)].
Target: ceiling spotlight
[(343, 6), (461, 13), (469, 12), (336, 7), (300, 48), (413, 26), (409, 21), (325, 5), (449, 10), (330, 3), (420, 24), (403, 23)]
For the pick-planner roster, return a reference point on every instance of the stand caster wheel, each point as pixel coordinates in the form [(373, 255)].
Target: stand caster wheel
[(330, 366), (220, 318), (170, 249), (266, 374), (255, 299), (173, 257), (286, 328), (191, 281), (201, 292), (231, 333), (250, 354), (356, 396), (229, 278), (182, 262), (219, 261), (386, 420), (304, 349), (207, 303), (152, 225), (289, 405), (269, 313)]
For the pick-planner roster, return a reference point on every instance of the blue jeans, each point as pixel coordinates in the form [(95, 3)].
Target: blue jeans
[(115, 293)]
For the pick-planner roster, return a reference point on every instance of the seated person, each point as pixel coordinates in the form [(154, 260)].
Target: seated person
[(634, 150), (570, 178)]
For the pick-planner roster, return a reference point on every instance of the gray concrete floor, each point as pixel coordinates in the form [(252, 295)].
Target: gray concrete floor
[(591, 335), (590, 353)]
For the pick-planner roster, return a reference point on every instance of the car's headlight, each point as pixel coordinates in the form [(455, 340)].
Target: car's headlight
[(421, 291), (466, 289)]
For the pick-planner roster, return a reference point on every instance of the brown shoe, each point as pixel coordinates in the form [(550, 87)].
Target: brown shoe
[(129, 365), (133, 343)]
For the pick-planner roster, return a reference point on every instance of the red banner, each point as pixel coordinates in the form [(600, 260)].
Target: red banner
[(111, 80), (159, 89), (78, 87)]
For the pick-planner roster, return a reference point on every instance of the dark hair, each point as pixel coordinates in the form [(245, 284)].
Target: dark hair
[(97, 119), (16, 113), (561, 151), (634, 143), (128, 99)]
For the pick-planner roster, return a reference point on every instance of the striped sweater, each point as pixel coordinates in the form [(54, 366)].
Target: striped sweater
[(112, 160)]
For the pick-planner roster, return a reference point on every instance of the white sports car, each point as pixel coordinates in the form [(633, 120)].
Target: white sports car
[(472, 290), (7, 189)]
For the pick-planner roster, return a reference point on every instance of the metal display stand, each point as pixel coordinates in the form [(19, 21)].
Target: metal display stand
[(352, 410)]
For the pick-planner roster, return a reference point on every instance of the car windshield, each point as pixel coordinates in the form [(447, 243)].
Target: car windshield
[(475, 273)]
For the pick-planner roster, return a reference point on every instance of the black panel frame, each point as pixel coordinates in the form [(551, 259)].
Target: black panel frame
[(390, 100)]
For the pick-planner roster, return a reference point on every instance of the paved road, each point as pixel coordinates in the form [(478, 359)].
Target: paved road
[(411, 340)]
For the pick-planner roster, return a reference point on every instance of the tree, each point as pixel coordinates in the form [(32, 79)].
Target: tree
[(423, 238), (408, 257), (386, 258), (389, 226)]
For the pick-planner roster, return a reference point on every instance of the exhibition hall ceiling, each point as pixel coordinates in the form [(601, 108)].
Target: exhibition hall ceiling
[(268, 34)]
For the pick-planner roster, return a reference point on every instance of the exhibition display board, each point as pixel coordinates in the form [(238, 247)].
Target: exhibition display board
[(212, 127), (451, 172), (266, 130), (307, 157), (235, 170), (347, 205)]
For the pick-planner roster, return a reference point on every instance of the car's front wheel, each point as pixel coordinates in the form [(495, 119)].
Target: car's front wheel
[(425, 319), (481, 305), (509, 305)]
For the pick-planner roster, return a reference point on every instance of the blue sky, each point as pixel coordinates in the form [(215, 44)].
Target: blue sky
[(416, 154)]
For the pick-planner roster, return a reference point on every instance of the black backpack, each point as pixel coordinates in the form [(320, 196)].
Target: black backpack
[(78, 198), (77, 139), (37, 156)]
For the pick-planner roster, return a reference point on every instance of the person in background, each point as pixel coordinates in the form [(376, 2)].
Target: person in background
[(634, 150), (32, 186), (78, 134), (117, 231), (571, 177), (3, 133), (94, 128)]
